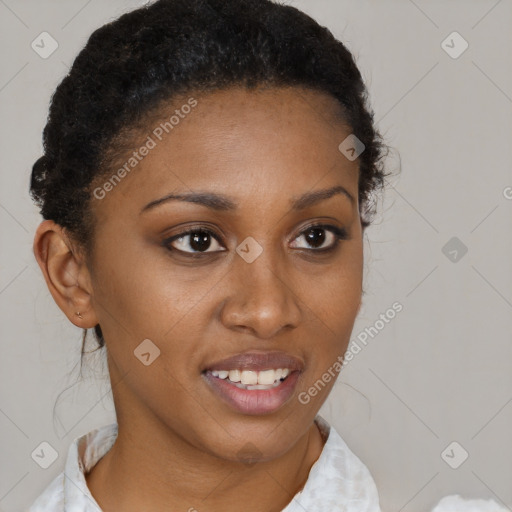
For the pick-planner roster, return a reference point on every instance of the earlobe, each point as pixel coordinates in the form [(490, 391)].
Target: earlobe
[(65, 273)]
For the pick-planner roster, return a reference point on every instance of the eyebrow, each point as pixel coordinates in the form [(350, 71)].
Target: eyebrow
[(221, 202)]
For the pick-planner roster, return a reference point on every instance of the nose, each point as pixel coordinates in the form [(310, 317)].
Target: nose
[(261, 300)]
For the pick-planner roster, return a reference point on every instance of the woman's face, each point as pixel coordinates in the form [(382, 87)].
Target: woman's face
[(259, 280)]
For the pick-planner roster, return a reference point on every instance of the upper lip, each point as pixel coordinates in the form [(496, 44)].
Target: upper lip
[(258, 361)]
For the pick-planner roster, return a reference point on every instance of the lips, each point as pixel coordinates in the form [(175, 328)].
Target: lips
[(254, 401), (257, 361)]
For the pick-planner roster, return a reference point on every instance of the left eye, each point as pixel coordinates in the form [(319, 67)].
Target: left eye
[(315, 235)]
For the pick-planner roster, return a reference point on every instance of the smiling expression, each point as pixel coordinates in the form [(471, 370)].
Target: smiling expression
[(258, 171)]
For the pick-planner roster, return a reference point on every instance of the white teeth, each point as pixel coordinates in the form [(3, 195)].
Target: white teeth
[(264, 379), (234, 375), (249, 377)]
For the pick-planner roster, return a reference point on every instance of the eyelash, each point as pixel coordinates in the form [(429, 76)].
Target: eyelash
[(339, 233)]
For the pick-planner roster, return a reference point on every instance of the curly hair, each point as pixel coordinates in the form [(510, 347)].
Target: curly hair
[(132, 65)]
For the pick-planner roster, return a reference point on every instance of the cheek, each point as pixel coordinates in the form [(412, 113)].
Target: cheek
[(139, 296), (333, 308), (140, 292), (335, 289), (137, 302), (332, 301)]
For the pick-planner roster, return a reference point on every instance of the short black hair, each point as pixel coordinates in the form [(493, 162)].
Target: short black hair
[(167, 48)]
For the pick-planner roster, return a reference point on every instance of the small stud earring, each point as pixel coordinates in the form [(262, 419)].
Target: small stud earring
[(78, 314)]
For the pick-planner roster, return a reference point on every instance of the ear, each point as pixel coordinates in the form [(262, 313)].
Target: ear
[(65, 272)]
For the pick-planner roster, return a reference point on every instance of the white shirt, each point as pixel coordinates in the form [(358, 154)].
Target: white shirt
[(338, 481)]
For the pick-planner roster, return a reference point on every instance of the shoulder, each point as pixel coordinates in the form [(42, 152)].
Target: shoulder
[(68, 491), (52, 498)]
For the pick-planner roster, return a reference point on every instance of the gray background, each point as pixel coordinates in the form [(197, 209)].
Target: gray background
[(437, 373)]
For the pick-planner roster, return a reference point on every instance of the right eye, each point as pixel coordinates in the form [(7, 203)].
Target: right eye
[(199, 240)]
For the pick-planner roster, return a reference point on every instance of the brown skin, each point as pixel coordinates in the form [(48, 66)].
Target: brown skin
[(178, 442)]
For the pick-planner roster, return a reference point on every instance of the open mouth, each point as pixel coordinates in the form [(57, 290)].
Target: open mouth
[(253, 380), (253, 392)]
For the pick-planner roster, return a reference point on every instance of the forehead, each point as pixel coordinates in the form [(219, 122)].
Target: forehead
[(267, 102), (275, 143)]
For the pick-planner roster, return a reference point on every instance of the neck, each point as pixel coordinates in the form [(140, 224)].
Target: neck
[(139, 475)]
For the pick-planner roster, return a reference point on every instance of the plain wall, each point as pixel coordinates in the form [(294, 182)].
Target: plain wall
[(439, 372)]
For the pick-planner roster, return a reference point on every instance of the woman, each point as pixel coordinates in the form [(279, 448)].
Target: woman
[(206, 183)]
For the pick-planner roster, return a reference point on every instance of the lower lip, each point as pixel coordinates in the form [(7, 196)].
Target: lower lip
[(256, 401)]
